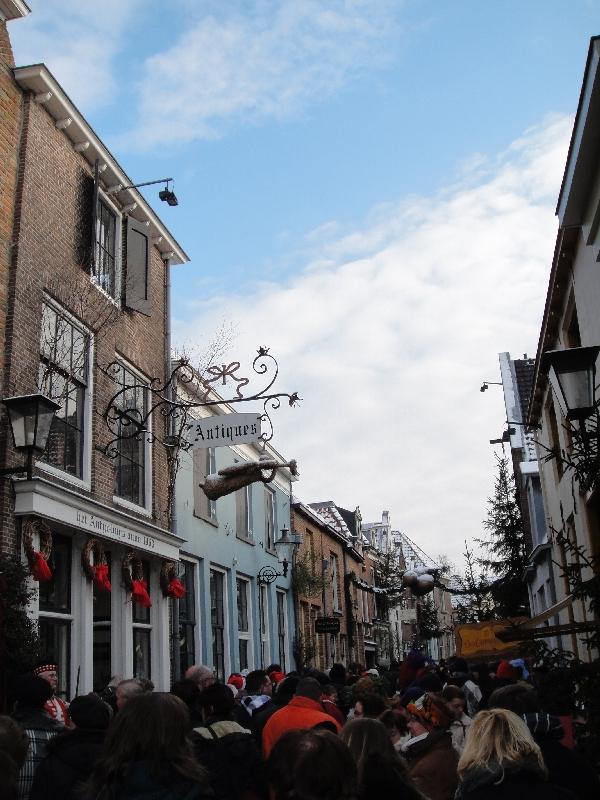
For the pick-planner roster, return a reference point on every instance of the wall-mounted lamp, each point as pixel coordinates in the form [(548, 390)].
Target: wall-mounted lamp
[(572, 375), (285, 547), (30, 418), (166, 194), (486, 385)]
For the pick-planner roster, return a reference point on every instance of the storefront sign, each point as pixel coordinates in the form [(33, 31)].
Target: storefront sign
[(479, 640), (225, 430), (327, 625)]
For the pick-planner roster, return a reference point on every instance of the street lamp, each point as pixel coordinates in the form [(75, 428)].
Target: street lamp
[(572, 374), (285, 547), (30, 418)]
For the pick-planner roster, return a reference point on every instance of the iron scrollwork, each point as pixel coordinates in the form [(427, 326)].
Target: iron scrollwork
[(130, 410)]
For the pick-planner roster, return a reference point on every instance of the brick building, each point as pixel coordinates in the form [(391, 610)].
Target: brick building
[(86, 311)]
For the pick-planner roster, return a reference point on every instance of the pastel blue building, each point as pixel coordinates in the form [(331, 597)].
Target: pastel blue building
[(228, 619)]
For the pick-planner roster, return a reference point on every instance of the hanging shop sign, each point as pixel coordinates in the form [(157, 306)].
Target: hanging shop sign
[(327, 625), (480, 640), (225, 430)]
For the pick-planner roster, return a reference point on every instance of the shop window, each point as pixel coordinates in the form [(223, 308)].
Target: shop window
[(63, 377), (217, 616), (187, 619), (55, 618), (102, 653), (142, 633), (243, 619), (132, 451), (281, 629)]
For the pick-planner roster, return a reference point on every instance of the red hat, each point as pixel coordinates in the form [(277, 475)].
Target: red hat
[(276, 677), (45, 666), (506, 671), (236, 680)]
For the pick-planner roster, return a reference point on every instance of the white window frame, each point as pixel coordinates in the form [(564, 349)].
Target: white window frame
[(247, 636), (280, 593), (211, 468), (264, 630), (226, 626), (270, 548), (146, 508), (334, 583), (106, 199), (85, 482)]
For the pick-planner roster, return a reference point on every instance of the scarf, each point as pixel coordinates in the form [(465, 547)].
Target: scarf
[(253, 702)]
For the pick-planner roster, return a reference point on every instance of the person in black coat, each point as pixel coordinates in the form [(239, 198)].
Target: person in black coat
[(71, 755), (226, 750), (565, 767), (502, 762)]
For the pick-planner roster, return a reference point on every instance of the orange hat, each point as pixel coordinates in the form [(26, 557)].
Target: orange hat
[(431, 711)]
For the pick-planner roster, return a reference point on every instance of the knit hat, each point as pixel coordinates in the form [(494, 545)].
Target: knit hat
[(506, 672), (237, 680), (276, 677), (44, 666), (89, 711), (431, 711)]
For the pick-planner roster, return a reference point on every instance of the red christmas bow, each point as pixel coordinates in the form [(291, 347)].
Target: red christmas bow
[(139, 593), (101, 577), (176, 588), (40, 569)]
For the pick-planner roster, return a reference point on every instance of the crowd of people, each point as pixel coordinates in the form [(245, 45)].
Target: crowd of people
[(417, 730)]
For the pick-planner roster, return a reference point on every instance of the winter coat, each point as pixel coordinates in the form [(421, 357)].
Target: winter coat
[(431, 763), (459, 729), (69, 761), (140, 784), (565, 767), (300, 713), (523, 782), (333, 709), (232, 758), (39, 729)]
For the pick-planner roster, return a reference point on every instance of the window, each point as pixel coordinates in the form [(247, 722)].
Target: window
[(55, 612), (63, 377), (204, 463), (187, 619), (101, 647), (265, 651), (243, 513), (553, 436), (217, 619), (132, 458), (335, 587), (142, 633), (106, 248), (281, 629), (243, 619), (270, 520)]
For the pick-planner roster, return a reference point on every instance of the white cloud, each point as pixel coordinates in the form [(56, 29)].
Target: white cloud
[(389, 331), (78, 41), (268, 62)]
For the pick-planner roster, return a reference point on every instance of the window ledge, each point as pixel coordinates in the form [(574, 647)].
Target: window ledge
[(102, 291), (205, 518), (64, 476), (247, 539), (142, 510)]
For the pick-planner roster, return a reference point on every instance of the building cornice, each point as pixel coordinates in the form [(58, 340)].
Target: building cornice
[(13, 9), (41, 497), (40, 81)]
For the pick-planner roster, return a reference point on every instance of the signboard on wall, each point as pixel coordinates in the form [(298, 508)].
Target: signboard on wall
[(327, 625), (479, 640), (225, 430)]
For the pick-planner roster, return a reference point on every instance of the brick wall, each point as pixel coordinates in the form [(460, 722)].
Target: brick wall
[(46, 260)]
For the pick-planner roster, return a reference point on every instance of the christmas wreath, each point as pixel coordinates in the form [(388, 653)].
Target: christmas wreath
[(169, 581), (133, 578), (98, 571), (38, 559)]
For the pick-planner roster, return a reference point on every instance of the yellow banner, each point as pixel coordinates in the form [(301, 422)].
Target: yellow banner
[(479, 640)]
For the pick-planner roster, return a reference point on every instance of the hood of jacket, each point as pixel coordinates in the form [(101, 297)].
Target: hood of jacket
[(494, 774), (220, 728), (419, 745)]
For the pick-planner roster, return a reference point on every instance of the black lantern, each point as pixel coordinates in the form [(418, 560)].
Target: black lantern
[(30, 419), (285, 547), (572, 375)]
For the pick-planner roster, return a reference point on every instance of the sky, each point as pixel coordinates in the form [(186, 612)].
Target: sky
[(368, 188)]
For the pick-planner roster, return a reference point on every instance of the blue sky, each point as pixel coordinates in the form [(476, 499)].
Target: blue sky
[(366, 186)]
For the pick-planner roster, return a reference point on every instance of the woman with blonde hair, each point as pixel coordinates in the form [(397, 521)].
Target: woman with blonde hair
[(502, 762)]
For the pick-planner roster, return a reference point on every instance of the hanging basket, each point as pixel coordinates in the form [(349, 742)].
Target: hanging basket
[(133, 579), (98, 570), (170, 583), (38, 559)]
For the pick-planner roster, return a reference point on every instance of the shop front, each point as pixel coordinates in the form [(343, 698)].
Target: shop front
[(93, 632)]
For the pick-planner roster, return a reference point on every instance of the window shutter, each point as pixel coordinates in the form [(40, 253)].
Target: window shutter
[(137, 280), (200, 499), (86, 214)]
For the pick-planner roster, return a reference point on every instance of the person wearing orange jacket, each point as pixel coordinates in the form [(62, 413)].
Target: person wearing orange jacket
[(304, 711)]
